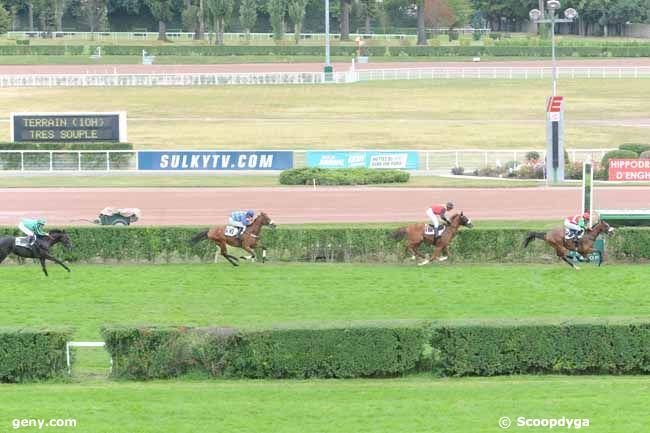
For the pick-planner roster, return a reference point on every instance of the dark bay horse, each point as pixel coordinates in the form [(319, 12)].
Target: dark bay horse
[(40, 252), (555, 238), (415, 236), (248, 241)]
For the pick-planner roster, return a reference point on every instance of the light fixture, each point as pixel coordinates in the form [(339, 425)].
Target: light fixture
[(571, 14), (553, 5), (535, 14)]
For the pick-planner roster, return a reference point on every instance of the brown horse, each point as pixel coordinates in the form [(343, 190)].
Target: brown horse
[(248, 241), (415, 236), (584, 246)]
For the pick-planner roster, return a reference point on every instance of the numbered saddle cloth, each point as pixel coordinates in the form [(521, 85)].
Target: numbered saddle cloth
[(231, 231), (22, 242), (429, 230)]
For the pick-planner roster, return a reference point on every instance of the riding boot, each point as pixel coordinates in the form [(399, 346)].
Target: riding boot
[(436, 230)]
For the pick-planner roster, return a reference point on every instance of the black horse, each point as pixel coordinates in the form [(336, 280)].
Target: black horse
[(40, 251)]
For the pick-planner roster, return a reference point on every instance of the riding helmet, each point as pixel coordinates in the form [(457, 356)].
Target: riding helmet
[(586, 215), (450, 205), (250, 213), (41, 221)]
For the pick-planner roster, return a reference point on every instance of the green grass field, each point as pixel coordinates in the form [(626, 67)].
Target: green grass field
[(419, 114), (413, 404), (262, 295)]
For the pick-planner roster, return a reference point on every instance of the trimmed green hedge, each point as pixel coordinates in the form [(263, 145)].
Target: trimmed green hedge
[(66, 146), (492, 348), (606, 50), (366, 244), (342, 176), (346, 352), (27, 355)]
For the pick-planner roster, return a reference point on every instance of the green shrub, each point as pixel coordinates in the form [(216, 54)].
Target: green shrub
[(494, 348), (355, 351), (341, 176), (66, 146), (532, 156), (645, 155), (637, 148), (27, 355), (617, 154)]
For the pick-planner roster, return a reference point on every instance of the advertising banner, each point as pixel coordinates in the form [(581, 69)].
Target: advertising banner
[(214, 160), (629, 169), (373, 159)]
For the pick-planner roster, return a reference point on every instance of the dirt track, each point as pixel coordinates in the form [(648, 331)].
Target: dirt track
[(203, 206), (297, 67)]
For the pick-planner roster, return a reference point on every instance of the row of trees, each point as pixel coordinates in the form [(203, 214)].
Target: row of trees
[(217, 15)]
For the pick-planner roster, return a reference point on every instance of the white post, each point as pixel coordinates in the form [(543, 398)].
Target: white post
[(22, 160), (108, 162), (51, 162)]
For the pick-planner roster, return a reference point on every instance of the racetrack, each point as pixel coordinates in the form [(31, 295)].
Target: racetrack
[(201, 206)]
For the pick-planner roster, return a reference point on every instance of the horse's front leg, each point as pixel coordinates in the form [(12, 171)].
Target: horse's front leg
[(55, 260), (445, 249), (249, 248)]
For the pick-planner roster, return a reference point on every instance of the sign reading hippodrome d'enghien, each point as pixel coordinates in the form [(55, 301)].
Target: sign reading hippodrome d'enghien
[(68, 127)]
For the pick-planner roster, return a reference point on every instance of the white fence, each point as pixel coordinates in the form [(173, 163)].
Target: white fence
[(126, 161), (189, 36), (350, 76)]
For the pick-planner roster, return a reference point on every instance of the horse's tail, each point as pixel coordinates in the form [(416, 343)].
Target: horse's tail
[(198, 238), (399, 234), (534, 235)]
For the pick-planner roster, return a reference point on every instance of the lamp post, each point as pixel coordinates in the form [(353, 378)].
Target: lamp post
[(328, 64), (554, 104)]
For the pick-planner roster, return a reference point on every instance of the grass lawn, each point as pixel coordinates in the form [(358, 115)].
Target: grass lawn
[(413, 404), (256, 295), (224, 181), (399, 114)]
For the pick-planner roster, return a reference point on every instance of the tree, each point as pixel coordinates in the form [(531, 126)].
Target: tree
[(163, 11), (5, 20), (422, 35), (345, 20), (368, 9), (297, 13), (95, 12), (277, 9), (248, 16), (220, 11), (59, 10)]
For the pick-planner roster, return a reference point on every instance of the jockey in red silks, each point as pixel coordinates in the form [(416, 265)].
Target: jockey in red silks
[(437, 213), (575, 225)]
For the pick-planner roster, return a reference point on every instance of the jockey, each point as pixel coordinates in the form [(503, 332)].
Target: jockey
[(437, 212), (575, 225), (33, 229), (241, 220)]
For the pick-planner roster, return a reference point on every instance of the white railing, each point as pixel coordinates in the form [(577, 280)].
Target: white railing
[(189, 36), (39, 161), (126, 161), (502, 73), (350, 76)]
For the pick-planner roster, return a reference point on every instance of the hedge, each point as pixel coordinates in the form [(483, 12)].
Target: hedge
[(27, 354), (616, 154), (607, 50), (638, 148), (353, 244), (66, 146), (371, 350), (342, 176), (493, 348)]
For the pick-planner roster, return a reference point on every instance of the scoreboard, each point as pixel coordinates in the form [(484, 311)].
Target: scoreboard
[(68, 127)]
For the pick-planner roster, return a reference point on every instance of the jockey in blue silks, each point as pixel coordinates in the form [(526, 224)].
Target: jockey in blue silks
[(241, 220)]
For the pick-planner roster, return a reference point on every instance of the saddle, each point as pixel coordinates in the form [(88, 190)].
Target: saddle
[(23, 242), (429, 230)]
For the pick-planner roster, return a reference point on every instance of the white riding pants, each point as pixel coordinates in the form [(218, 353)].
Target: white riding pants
[(433, 217)]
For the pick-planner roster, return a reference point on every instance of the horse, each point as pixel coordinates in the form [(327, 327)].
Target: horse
[(415, 236), (41, 250), (562, 246), (248, 241)]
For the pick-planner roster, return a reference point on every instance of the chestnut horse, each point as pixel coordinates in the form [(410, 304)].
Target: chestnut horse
[(584, 246), (415, 236), (248, 241)]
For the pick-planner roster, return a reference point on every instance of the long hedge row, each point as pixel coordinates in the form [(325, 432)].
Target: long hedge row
[(292, 50), (27, 355), (488, 349), (345, 352), (141, 244), (383, 350)]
